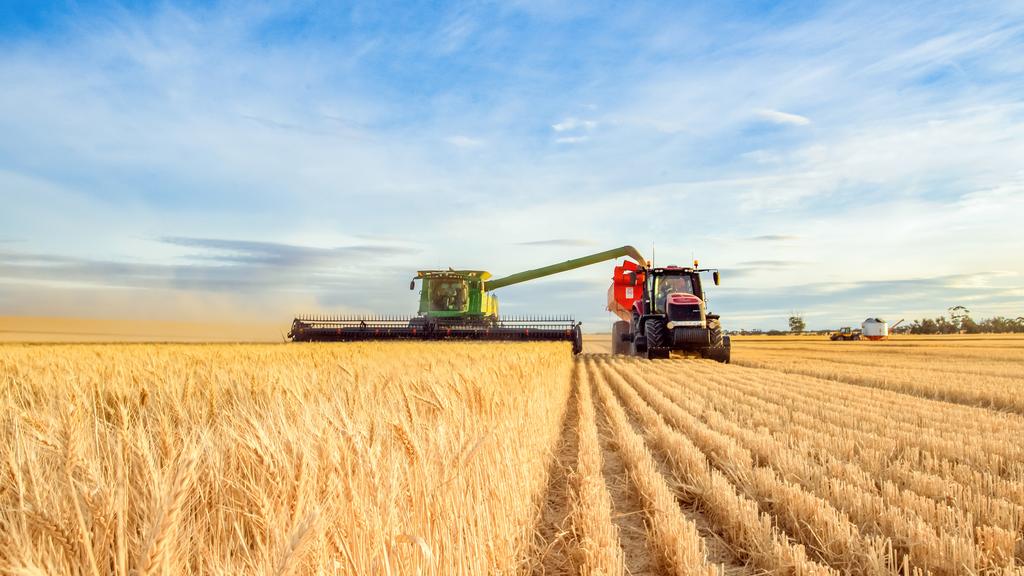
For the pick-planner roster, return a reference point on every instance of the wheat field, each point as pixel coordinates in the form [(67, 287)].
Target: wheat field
[(803, 457)]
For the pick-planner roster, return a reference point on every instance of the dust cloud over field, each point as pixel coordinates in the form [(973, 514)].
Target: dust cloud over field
[(803, 457), (54, 329)]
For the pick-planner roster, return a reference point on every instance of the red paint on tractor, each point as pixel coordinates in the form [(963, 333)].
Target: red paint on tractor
[(623, 293), (683, 299)]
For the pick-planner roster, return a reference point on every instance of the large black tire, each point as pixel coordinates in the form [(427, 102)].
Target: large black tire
[(720, 353), (715, 336), (577, 340), (619, 329), (657, 339), (637, 346), (637, 342)]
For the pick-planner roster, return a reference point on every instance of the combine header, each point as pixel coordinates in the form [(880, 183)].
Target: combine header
[(458, 304)]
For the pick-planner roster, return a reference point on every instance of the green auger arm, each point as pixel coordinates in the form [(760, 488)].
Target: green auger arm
[(566, 266)]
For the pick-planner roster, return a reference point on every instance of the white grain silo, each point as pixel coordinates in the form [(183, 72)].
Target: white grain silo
[(875, 329)]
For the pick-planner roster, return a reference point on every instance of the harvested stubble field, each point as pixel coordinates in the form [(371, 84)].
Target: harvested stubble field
[(804, 457)]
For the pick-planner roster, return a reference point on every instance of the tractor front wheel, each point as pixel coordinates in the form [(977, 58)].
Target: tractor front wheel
[(657, 339)]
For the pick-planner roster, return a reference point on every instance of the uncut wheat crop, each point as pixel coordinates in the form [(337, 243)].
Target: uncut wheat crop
[(355, 459), (804, 457)]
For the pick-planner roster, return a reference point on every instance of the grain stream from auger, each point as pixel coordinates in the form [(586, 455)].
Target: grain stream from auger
[(475, 458)]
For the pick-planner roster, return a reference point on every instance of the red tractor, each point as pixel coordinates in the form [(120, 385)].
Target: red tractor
[(663, 309)]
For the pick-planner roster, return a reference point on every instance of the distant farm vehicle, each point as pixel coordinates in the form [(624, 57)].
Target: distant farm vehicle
[(664, 309), (845, 333)]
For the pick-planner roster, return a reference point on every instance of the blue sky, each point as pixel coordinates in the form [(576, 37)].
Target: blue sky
[(252, 160)]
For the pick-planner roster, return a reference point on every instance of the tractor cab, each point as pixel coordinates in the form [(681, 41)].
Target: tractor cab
[(668, 284)]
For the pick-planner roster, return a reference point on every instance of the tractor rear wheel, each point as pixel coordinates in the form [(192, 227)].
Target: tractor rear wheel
[(620, 329), (637, 345), (657, 339)]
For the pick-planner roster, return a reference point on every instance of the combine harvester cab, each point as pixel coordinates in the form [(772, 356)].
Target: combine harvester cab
[(458, 304), (664, 309)]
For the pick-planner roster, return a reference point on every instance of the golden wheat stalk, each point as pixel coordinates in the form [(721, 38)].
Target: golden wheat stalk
[(165, 531), (299, 536)]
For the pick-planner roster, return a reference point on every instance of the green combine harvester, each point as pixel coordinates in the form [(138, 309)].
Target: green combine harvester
[(458, 304)]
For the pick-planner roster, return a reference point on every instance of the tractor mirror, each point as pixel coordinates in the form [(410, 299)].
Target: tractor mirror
[(718, 279), (412, 284)]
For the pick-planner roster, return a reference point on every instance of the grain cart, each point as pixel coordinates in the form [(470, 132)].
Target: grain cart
[(664, 309), (458, 304)]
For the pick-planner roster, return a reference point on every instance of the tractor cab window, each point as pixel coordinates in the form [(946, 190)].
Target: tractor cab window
[(447, 295), (665, 285)]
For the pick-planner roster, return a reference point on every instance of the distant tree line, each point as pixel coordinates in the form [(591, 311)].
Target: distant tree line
[(959, 321), (964, 325)]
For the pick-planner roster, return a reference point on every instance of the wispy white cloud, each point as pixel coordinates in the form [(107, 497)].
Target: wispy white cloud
[(774, 238), (979, 280), (778, 117), (461, 141), (763, 156), (573, 130), (456, 33), (572, 124), (559, 242)]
